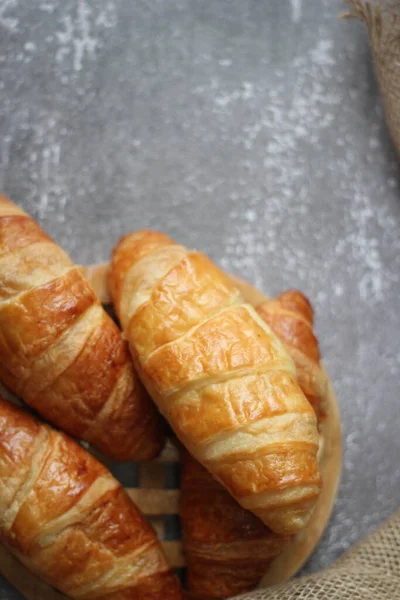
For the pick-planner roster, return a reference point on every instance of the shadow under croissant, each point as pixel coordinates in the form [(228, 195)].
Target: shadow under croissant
[(283, 566)]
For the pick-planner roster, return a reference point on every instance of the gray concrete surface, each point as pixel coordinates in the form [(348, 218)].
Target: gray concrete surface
[(252, 130)]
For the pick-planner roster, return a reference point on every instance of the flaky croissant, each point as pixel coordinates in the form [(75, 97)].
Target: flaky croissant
[(291, 316), (220, 376), (61, 352), (228, 550), (69, 521)]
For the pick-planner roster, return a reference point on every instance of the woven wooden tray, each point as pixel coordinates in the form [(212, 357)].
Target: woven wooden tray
[(155, 489)]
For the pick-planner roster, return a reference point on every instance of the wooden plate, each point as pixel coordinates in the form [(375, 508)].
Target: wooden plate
[(157, 502)]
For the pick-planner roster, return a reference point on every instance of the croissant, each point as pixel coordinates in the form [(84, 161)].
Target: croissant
[(228, 550), (61, 352), (70, 522), (220, 376), (291, 316)]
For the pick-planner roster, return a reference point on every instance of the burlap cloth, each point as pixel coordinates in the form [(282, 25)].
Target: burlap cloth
[(371, 571), (383, 23)]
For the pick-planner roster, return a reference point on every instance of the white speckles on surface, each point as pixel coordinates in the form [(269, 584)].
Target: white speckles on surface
[(246, 92), (50, 160), (76, 39), (77, 36), (107, 16), (250, 215), (253, 131), (338, 289), (7, 20), (322, 54), (296, 10), (48, 7), (30, 47), (225, 62)]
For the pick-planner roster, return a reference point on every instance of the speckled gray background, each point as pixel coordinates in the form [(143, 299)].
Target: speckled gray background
[(252, 130)]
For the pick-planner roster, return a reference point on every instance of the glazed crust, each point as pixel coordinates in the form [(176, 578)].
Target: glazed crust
[(220, 376), (70, 522), (291, 316), (228, 550), (61, 352)]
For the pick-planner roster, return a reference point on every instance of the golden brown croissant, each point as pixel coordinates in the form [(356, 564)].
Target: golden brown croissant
[(61, 352), (228, 550), (69, 521), (291, 316), (220, 376)]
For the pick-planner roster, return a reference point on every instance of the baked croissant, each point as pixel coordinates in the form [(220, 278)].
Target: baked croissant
[(61, 352), (220, 376), (291, 316), (228, 550), (70, 522)]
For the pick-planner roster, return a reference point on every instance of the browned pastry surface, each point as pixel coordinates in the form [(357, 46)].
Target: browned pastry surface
[(290, 315), (293, 555), (227, 548), (220, 376), (61, 352), (70, 522)]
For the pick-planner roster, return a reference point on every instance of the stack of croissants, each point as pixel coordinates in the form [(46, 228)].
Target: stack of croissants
[(241, 387)]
